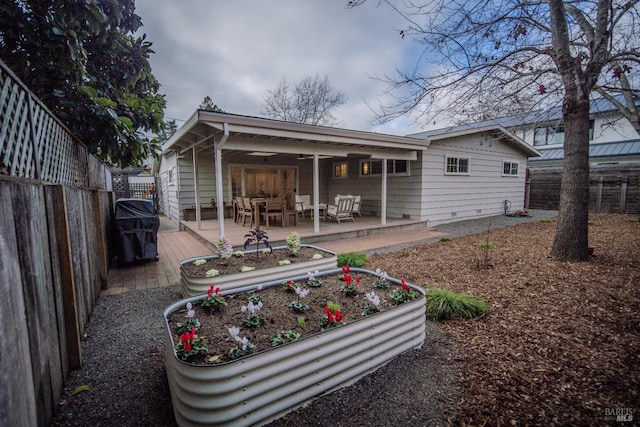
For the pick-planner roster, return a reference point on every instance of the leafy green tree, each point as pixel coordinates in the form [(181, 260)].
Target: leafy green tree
[(492, 54), (82, 59)]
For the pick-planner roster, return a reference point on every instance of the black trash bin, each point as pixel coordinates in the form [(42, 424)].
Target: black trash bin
[(136, 228)]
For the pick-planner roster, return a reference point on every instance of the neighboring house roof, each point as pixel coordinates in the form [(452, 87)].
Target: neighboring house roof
[(602, 150), (598, 106)]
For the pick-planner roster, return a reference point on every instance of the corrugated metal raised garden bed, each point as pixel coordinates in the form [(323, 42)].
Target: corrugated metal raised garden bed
[(231, 382), (311, 258)]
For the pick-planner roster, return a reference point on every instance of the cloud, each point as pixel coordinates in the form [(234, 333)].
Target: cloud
[(235, 51)]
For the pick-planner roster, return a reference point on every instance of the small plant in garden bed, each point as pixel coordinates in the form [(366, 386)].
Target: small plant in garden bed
[(332, 318), (382, 282), (445, 239), (354, 259), (244, 347), (213, 299), (253, 319), (312, 281), (191, 322), (257, 237), (293, 243), (224, 249), (374, 304), (403, 294), (298, 306), (284, 336), (349, 287), (487, 245), (190, 344), (442, 304)]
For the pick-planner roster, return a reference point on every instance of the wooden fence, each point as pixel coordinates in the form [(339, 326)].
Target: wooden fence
[(55, 216), (612, 188)]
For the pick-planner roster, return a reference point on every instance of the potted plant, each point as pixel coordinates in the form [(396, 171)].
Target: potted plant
[(231, 375), (258, 261)]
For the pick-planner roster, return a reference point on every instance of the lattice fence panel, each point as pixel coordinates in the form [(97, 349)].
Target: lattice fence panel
[(34, 144)]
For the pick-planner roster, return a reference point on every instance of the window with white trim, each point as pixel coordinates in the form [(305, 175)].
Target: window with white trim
[(456, 166), (341, 170), (374, 167), (510, 168)]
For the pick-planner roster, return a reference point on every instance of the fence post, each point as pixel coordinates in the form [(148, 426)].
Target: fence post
[(599, 201), (623, 194)]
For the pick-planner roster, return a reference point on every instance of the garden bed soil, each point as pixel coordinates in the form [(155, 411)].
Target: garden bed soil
[(277, 315), (233, 264)]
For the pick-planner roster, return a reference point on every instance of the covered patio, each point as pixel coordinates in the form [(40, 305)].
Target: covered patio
[(216, 157)]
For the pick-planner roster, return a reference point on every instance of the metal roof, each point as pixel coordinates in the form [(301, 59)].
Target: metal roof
[(554, 114), (605, 149)]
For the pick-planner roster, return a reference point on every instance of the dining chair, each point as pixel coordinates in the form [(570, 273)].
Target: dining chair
[(247, 211), (273, 208)]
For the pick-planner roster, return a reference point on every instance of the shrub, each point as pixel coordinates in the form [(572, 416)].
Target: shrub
[(443, 304), (353, 259), (445, 239), (545, 220)]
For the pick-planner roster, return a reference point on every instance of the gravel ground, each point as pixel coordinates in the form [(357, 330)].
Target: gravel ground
[(123, 368)]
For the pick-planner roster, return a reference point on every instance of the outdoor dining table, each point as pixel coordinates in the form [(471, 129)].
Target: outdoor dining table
[(258, 204)]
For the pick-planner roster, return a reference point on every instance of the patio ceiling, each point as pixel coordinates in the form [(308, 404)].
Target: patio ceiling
[(250, 134)]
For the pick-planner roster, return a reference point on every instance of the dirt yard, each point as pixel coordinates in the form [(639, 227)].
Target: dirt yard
[(560, 343)]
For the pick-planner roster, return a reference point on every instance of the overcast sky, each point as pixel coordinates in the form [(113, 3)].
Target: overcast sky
[(233, 51)]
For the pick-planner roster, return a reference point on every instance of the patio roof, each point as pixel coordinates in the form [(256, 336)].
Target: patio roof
[(244, 133)]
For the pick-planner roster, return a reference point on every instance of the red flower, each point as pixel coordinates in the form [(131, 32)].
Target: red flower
[(346, 269), (347, 279), (330, 318), (327, 310), (357, 280), (210, 291), (405, 286), (338, 314)]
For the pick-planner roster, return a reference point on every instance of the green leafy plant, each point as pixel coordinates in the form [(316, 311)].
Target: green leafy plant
[(445, 239), (442, 304), (256, 299), (284, 336), (302, 321), (545, 220), (354, 259), (402, 294), (487, 245), (257, 237), (213, 299)]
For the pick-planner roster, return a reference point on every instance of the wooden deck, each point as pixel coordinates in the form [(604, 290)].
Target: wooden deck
[(364, 235)]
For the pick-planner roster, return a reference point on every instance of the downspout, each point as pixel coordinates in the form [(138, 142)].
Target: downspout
[(218, 168), (383, 202)]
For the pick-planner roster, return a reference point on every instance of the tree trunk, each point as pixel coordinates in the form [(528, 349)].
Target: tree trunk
[(571, 242)]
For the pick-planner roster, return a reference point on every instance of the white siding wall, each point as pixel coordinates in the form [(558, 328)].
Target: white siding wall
[(448, 198), (170, 199)]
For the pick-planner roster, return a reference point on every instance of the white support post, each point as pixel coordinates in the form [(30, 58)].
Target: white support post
[(195, 186), (218, 169), (383, 201), (316, 194)]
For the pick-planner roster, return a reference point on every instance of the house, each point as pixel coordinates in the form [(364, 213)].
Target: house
[(448, 177), (614, 155), (612, 139)]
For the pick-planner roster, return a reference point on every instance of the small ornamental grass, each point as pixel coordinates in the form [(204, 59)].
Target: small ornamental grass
[(354, 259), (442, 304)]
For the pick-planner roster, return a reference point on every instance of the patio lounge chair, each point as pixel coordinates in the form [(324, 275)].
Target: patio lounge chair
[(303, 203), (343, 209)]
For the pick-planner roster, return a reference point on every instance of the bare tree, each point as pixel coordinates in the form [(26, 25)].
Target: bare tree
[(485, 55), (311, 101)]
